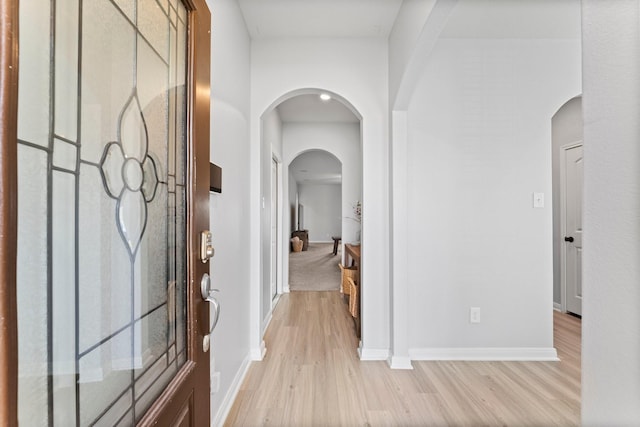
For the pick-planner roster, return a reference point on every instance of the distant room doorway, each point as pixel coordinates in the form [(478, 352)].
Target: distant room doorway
[(572, 206)]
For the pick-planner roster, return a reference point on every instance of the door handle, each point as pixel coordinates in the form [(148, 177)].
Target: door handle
[(207, 294), (568, 239)]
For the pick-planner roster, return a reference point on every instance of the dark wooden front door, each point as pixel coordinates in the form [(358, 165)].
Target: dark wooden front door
[(104, 176)]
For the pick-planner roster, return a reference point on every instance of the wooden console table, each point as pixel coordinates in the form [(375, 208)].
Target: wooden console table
[(352, 257), (353, 252)]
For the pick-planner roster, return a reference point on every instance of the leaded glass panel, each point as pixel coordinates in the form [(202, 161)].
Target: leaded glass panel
[(102, 208)]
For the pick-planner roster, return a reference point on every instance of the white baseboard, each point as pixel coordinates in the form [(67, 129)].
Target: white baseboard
[(275, 302), (557, 306), (373, 353), (267, 321), (396, 362), (485, 354), (257, 354), (221, 415)]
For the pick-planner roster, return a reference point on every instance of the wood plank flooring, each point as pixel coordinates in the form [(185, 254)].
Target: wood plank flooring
[(311, 376)]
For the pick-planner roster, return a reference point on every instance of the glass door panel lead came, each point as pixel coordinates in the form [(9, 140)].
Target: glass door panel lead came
[(104, 198)]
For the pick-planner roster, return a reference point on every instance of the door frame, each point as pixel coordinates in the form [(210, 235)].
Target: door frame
[(9, 20), (563, 221), (275, 198), (194, 375)]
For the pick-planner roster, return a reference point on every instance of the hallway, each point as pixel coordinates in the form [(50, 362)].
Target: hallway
[(311, 376)]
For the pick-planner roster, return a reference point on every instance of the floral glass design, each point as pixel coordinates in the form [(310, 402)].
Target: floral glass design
[(129, 174)]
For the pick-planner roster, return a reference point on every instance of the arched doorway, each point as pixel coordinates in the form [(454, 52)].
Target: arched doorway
[(297, 123), (316, 215), (567, 136)]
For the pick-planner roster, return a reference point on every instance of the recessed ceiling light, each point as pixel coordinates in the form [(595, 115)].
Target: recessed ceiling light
[(325, 96)]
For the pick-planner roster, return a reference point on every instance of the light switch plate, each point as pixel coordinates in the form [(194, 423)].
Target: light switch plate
[(538, 200), (474, 315)]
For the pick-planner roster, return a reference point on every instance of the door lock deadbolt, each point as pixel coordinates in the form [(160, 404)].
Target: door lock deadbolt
[(206, 246)]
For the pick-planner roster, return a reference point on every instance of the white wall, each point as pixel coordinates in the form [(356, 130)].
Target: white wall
[(357, 70), (479, 145), (322, 210), (566, 129), (611, 269), (229, 216)]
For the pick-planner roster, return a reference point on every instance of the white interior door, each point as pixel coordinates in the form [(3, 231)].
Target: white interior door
[(572, 274), (274, 228)]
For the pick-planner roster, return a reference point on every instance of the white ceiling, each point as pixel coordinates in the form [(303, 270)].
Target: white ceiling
[(515, 19), (309, 108), (317, 167), (319, 18), (375, 18)]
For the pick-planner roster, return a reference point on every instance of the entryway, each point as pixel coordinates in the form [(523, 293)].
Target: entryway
[(567, 135), (572, 174), (318, 133)]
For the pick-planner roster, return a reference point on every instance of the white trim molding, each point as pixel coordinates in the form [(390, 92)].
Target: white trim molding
[(373, 353), (396, 362), (267, 321), (542, 354), (227, 403), (257, 354), (557, 306)]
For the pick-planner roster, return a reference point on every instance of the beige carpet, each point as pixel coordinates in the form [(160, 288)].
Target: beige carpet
[(315, 269)]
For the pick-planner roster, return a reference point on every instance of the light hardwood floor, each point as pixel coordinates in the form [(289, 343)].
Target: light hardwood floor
[(311, 376)]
